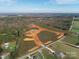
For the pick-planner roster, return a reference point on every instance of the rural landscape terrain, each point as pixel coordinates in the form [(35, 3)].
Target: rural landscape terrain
[(39, 37)]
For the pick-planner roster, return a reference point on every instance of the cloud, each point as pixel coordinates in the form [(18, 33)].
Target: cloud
[(67, 1), (7, 2)]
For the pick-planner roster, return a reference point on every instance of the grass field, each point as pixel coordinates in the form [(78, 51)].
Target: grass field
[(72, 39), (71, 52), (45, 54), (40, 56), (75, 26)]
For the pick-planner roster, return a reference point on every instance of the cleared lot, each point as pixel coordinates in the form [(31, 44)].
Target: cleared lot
[(24, 47)]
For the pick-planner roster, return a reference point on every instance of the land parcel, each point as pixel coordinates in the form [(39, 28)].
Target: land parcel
[(70, 51), (75, 26)]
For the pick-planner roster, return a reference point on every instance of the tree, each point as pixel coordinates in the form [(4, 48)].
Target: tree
[(1, 50)]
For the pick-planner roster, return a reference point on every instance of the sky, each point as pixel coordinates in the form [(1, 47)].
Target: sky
[(39, 6)]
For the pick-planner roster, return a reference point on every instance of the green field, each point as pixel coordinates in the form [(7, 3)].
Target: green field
[(45, 54), (71, 38), (75, 26), (40, 56), (7, 37), (70, 52)]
